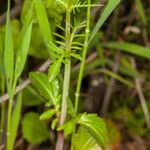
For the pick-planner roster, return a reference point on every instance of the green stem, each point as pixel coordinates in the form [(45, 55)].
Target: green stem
[(2, 110), (10, 111), (60, 140), (77, 94)]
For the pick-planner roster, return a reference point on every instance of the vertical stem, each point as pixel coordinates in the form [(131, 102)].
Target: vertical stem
[(60, 140), (2, 111), (10, 110), (77, 94)]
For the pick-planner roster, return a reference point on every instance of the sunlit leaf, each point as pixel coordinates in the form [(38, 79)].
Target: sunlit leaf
[(48, 114)]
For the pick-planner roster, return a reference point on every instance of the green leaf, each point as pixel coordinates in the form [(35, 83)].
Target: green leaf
[(40, 81), (112, 4), (34, 130), (54, 123), (68, 127), (92, 122), (15, 122), (129, 48), (96, 126), (31, 97), (48, 90), (54, 69), (43, 21), (77, 56), (83, 140), (23, 50), (140, 9), (9, 52), (47, 114)]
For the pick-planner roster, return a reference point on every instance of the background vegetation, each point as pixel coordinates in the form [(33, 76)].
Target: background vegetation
[(115, 86)]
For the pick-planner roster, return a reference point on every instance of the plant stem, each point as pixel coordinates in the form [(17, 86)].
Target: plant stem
[(10, 111), (2, 110), (77, 94), (60, 140)]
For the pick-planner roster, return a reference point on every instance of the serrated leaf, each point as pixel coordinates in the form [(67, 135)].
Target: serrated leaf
[(34, 130), (96, 126), (54, 69), (130, 48), (105, 14), (47, 114), (23, 50), (15, 122), (83, 140), (46, 89), (43, 21), (9, 52)]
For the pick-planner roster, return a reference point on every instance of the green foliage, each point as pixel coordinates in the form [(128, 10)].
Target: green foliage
[(54, 70), (105, 14), (15, 121), (23, 50), (9, 53), (31, 97), (48, 114), (34, 130), (49, 90), (43, 20), (141, 11), (92, 123), (96, 126), (83, 140), (130, 48)]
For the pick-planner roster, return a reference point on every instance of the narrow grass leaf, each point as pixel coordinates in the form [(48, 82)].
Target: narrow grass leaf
[(9, 52), (141, 11), (129, 48), (23, 50), (15, 122), (105, 14), (43, 21)]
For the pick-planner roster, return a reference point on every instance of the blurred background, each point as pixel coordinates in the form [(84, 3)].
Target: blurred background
[(116, 82)]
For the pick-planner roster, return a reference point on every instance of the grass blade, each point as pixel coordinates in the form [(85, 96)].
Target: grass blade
[(105, 14), (43, 21), (140, 9), (9, 52), (130, 48), (23, 50)]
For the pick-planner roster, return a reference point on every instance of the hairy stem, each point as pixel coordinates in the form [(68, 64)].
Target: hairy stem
[(60, 140)]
